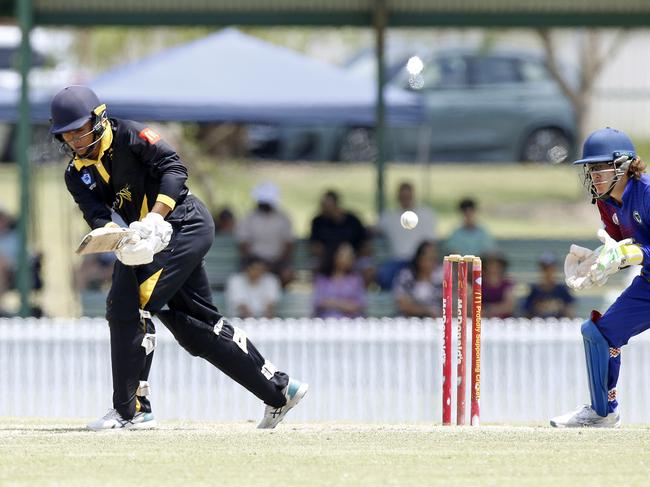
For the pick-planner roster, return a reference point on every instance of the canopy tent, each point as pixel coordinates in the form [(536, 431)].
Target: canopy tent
[(231, 76)]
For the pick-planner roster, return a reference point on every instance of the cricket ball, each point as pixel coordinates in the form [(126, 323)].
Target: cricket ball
[(409, 220)]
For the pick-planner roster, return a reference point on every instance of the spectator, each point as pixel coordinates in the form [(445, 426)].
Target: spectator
[(224, 222), (403, 243), (334, 226), (254, 292), (266, 233), (339, 290), (8, 251), (418, 287), (498, 290), (95, 271), (470, 238), (549, 298)]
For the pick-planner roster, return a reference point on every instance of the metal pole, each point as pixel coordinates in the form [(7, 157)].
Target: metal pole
[(25, 19), (380, 21)]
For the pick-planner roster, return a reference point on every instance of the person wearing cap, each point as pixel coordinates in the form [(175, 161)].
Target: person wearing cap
[(266, 232), (613, 175), (548, 298), (126, 169)]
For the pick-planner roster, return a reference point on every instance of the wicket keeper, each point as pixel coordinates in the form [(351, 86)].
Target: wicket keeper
[(124, 167), (613, 176)]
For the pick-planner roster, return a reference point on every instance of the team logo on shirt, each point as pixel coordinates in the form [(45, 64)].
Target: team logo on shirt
[(87, 179), (615, 218), (122, 195), (636, 216)]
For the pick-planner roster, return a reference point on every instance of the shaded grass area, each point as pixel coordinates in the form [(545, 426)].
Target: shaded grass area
[(37, 452)]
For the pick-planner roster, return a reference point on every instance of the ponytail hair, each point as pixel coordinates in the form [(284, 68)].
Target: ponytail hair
[(636, 169)]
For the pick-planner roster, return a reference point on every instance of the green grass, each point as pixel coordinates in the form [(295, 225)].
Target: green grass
[(61, 453)]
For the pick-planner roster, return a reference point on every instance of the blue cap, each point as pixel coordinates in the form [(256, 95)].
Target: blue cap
[(606, 145)]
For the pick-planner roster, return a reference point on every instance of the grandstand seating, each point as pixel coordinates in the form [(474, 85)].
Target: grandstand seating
[(522, 254)]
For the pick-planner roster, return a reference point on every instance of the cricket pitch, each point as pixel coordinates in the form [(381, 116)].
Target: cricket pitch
[(57, 452)]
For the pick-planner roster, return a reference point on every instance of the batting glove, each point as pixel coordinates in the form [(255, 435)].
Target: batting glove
[(577, 265), (135, 252), (155, 229), (612, 256)]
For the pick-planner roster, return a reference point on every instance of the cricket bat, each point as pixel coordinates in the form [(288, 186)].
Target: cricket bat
[(105, 239)]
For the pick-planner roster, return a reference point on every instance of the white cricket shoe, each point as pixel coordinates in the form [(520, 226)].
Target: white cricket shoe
[(114, 420), (586, 417), (294, 392)]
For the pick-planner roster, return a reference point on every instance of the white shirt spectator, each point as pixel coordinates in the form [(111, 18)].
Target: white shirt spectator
[(266, 233), (256, 296), (402, 242)]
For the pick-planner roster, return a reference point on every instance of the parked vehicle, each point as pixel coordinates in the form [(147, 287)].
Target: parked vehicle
[(480, 106)]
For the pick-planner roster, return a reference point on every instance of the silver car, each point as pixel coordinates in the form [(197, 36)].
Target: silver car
[(480, 106)]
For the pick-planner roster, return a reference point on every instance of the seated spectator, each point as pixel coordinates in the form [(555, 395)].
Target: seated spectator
[(334, 226), (94, 273), (224, 222), (255, 292), (339, 290), (8, 251), (469, 238), (266, 233), (418, 287), (498, 290), (549, 298), (403, 243)]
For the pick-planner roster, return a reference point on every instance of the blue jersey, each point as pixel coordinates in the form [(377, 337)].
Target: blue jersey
[(631, 219)]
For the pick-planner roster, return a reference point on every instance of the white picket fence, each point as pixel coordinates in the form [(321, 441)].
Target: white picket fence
[(374, 370)]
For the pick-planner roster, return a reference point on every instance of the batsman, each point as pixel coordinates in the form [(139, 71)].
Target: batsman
[(613, 175), (121, 167)]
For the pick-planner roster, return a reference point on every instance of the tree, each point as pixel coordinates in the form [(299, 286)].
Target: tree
[(594, 51)]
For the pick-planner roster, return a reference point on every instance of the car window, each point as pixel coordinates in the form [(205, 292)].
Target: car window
[(533, 71), (444, 72), (494, 70)]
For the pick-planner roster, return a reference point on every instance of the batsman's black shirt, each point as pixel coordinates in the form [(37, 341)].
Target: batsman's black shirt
[(135, 168)]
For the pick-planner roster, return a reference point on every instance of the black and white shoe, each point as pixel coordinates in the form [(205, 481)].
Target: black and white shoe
[(114, 420), (294, 392)]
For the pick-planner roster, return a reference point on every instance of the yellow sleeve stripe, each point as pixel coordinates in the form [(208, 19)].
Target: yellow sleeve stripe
[(163, 198), (147, 287)]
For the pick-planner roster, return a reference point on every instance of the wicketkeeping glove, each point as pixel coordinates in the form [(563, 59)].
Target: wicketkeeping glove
[(577, 265), (155, 229), (612, 256)]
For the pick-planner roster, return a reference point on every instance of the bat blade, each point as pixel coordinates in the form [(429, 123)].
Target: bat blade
[(105, 240)]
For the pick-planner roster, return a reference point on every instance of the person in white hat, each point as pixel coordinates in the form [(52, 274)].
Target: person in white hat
[(266, 233)]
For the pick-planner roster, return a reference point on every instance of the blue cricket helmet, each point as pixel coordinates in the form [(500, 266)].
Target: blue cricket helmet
[(606, 145), (72, 107)]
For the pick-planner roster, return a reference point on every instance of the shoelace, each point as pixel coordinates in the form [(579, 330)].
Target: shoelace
[(112, 414)]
